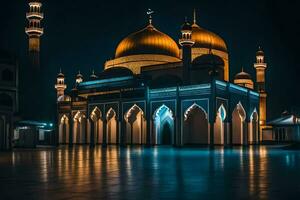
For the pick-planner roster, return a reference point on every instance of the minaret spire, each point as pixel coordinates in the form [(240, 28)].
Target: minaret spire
[(60, 85), (34, 31), (33, 75), (195, 17), (260, 66), (186, 42)]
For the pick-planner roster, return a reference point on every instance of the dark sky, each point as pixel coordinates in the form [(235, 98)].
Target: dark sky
[(84, 34)]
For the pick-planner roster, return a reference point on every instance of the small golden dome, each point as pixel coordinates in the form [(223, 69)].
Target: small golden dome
[(206, 39), (147, 41), (242, 75)]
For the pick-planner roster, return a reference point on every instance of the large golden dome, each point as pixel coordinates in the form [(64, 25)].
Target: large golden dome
[(206, 39), (147, 41)]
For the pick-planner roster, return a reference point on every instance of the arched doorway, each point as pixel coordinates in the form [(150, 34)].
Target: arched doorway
[(163, 126), (253, 128), (98, 125), (195, 130), (64, 130), (79, 128), (111, 127), (219, 126), (135, 126), (238, 119)]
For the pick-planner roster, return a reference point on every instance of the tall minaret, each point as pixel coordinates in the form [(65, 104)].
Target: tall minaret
[(34, 31), (260, 67), (186, 42), (60, 85)]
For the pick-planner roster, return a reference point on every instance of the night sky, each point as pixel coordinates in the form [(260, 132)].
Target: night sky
[(82, 35)]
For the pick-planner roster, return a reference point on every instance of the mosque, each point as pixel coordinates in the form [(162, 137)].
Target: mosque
[(159, 91)]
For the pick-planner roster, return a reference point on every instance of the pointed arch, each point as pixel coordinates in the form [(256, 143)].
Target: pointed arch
[(64, 130), (189, 109), (195, 130), (163, 126), (238, 120), (79, 128), (111, 130), (95, 114), (219, 125), (135, 125), (97, 123)]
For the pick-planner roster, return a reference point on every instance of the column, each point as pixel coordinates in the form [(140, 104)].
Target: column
[(117, 131), (225, 132), (71, 132), (211, 134), (230, 132), (123, 133), (104, 142), (131, 132), (92, 131), (245, 133)]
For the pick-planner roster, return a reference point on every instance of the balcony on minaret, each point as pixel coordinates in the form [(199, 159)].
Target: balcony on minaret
[(34, 31), (35, 14)]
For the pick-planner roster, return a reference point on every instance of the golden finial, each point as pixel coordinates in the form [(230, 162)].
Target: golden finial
[(195, 20), (149, 13)]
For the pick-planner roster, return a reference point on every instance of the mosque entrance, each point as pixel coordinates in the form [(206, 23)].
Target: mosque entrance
[(195, 128), (163, 126)]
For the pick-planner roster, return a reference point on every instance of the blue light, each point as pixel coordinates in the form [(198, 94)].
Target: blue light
[(221, 83), (88, 83), (194, 87), (238, 88), (254, 93), (171, 89)]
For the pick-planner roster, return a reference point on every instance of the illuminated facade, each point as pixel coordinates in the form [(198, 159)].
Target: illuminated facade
[(260, 67), (34, 31), (156, 91)]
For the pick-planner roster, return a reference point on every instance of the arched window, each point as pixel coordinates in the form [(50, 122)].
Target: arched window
[(7, 75)]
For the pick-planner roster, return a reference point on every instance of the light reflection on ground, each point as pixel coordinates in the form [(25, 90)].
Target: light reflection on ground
[(150, 173)]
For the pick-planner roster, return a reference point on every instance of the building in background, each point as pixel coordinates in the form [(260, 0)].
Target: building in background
[(285, 128), (31, 134), (30, 130), (9, 97)]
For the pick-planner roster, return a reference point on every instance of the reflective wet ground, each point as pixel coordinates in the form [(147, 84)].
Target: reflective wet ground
[(150, 173)]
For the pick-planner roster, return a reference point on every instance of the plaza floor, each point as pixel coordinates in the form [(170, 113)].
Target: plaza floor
[(150, 173)]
